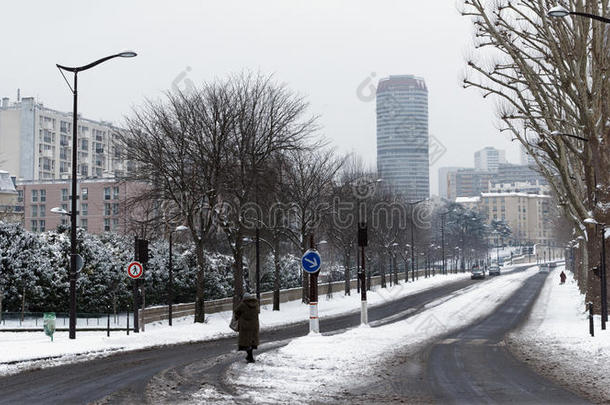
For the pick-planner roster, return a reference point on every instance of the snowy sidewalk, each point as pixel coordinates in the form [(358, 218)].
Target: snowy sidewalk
[(556, 340), (23, 350), (317, 368)]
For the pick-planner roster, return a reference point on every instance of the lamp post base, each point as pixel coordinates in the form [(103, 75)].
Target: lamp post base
[(364, 314)]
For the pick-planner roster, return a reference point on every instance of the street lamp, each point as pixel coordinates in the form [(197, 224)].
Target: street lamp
[(170, 288), (74, 213), (560, 12)]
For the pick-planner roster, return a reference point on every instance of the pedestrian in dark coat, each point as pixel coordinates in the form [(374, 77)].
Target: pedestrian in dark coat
[(563, 277), (246, 314)]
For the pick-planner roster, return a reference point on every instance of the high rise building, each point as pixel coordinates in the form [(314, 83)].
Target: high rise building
[(489, 158), (510, 173), (36, 143), (402, 135), (526, 158), (443, 180), (468, 182)]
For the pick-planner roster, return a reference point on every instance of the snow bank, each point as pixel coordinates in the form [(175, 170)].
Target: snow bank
[(556, 340), (318, 367)]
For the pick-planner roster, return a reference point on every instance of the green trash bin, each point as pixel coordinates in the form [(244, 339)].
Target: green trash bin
[(49, 324)]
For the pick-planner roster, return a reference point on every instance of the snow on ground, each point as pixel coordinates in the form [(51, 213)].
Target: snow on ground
[(24, 350), (316, 367), (556, 340)]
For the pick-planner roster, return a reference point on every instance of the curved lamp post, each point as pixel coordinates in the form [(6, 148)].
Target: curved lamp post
[(73, 213), (560, 12)]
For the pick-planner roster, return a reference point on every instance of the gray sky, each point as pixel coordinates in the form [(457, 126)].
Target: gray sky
[(323, 48)]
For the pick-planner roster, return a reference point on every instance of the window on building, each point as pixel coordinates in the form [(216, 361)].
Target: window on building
[(106, 209), (64, 194), (115, 224), (64, 207), (34, 195), (20, 196), (115, 193), (84, 223), (115, 209), (42, 210), (84, 144), (106, 193), (84, 170), (34, 226), (42, 225), (84, 209), (84, 193), (106, 224), (34, 211), (43, 195)]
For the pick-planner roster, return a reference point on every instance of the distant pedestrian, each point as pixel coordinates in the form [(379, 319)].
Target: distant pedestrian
[(563, 277), (246, 314)]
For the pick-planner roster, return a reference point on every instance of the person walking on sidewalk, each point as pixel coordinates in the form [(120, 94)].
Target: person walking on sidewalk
[(563, 277), (246, 314)]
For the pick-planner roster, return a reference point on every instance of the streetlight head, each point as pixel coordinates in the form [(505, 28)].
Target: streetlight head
[(379, 180), (555, 133), (322, 242), (558, 11), (182, 228), (60, 211), (128, 54)]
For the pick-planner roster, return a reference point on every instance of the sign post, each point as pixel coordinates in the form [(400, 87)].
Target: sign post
[(49, 324), (311, 263)]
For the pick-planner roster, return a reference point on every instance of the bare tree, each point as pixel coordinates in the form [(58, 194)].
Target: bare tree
[(269, 119), (548, 77), (307, 183), (178, 147)]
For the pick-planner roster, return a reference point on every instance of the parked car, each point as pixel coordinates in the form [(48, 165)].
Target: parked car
[(477, 272), (494, 270), (552, 264), (544, 268)]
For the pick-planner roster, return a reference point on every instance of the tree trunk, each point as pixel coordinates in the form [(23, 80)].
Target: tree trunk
[(276, 280), (238, 274), (200, 298), (348, 286), (1, 296), (304, 274), (23, 304)]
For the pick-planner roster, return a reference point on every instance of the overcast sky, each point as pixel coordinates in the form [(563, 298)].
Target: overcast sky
[(324, 49)]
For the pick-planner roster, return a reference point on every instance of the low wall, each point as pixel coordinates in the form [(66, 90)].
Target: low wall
[(158, 313)]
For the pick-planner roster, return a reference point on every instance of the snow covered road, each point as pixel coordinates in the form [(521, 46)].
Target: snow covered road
[(321, 368)]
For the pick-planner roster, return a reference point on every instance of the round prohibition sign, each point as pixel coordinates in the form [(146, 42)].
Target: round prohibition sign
[(135, 270)]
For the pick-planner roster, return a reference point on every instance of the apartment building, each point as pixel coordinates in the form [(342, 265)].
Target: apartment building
[(101, 204), (528, 215), (9, 209), (36, 143)]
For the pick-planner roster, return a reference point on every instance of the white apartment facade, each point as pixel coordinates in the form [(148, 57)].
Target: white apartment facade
[(36, 143), (488, 159)]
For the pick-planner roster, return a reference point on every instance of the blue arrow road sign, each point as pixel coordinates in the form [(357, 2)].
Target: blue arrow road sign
[(311, 261)]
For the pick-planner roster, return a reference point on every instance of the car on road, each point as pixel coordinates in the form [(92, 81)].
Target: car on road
[(544, 268), (477, 272), (494, 270)]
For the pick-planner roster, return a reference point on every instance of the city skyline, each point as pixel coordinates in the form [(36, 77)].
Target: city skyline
[(333, 54)]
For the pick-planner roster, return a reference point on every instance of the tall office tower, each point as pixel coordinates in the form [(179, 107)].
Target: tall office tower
[(489, 158), (402, 135), (36, 143)]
